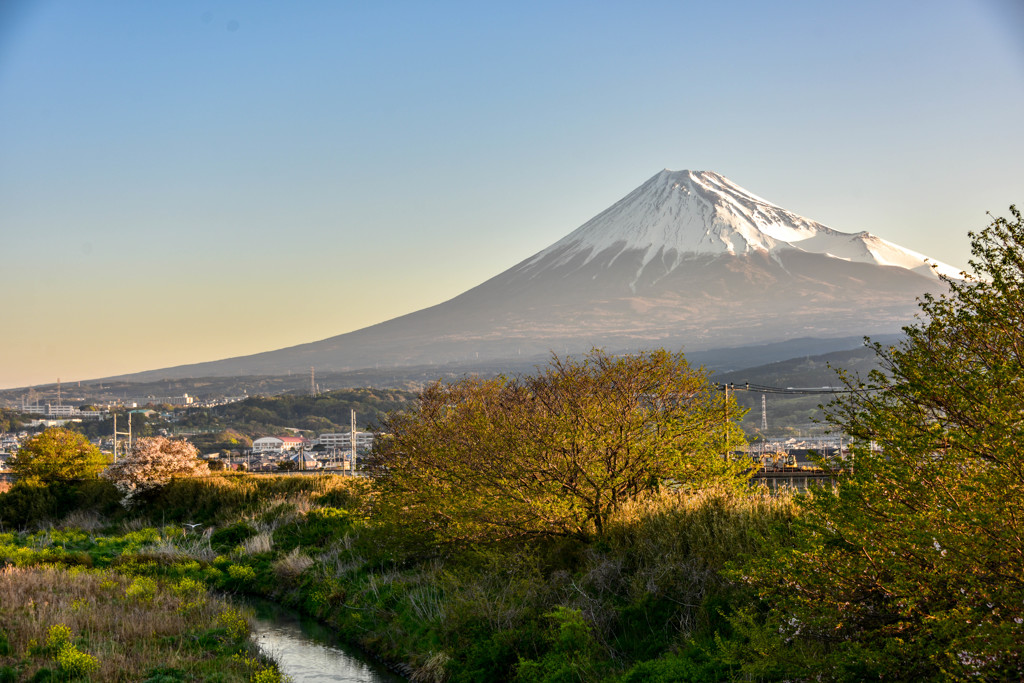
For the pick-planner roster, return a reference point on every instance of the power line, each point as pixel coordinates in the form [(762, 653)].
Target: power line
[(795, 391)]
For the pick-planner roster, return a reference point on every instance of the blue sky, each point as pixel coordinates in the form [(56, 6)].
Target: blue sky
[(191, 180)]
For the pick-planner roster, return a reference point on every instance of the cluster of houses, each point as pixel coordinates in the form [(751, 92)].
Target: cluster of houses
[(327, 452), (331, 451), (10, 442)]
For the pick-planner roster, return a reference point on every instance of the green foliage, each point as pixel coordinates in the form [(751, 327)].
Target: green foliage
[(142, 589), (648, 589), (32, 501), (58, 635), (70, 660), (914, 567), (11, 420), (689, 667), (241, 574), (234, 623), (165, 674), (57, 454), (75, 663), (317, 528), (573, 654), (556, 453), (228, 537), (222, 499)]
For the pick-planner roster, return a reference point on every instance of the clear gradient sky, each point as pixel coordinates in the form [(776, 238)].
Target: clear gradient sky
[(189, 180)]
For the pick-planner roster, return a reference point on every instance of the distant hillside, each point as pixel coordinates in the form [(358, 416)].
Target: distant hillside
[(275, 415), (796, 414)]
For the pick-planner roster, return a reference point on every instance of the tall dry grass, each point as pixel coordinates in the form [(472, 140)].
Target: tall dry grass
[(713, 526), (85, 520), (129, 631), (671, 547), (228, 496), (291, 566)]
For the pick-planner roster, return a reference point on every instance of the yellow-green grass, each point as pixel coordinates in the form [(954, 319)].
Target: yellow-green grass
[(101, 626)]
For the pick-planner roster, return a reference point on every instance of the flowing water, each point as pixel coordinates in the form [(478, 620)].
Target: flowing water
[(308, 651)]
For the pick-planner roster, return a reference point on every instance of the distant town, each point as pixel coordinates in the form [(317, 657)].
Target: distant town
[(238, 443), (240, 433)]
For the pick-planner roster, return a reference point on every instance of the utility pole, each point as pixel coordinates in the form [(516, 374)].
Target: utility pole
[(117, 434), (352, 465), (764, 414), (726, 444), (312, 381)]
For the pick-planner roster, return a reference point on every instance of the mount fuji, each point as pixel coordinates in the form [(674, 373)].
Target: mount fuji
[(687, 260)]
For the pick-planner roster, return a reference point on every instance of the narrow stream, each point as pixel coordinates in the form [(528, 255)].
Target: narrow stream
[(308, 651)]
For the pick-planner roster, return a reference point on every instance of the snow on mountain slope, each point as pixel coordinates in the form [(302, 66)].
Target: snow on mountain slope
[(703, 213)]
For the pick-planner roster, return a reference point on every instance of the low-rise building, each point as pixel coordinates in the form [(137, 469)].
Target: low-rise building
[(277, 444), (343, 441)]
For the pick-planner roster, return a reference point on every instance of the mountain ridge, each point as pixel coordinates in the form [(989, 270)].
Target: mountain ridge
[(660, 213)]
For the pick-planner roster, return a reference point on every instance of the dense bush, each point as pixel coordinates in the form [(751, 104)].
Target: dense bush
[(914, 567), (31, 502)]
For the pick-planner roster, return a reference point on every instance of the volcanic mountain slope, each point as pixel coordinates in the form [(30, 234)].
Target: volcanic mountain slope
[(687, 260)]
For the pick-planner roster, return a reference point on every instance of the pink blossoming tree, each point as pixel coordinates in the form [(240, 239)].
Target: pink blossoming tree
[(152, 463)]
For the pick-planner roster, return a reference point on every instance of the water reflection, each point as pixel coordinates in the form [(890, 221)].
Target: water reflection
[(306, 650)]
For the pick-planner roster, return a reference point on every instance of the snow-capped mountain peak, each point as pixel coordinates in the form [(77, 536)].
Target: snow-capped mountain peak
[(697, 213)]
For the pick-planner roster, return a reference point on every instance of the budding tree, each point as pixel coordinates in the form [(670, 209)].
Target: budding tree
[(152, 463), (557, 453)]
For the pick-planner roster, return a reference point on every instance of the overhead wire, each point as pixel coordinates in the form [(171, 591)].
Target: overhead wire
[(795, 391)]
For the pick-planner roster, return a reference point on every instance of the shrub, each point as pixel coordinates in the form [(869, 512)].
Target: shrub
[(57, 636), (234, 624), (74, 662), (317, 528), (142, 589), (230, 536)]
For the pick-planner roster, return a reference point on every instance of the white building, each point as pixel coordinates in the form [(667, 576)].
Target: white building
[(277, 444), (343, 441)]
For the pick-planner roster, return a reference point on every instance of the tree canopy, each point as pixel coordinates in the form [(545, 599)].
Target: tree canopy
[(557, 452), (914, 569), (57, 454)]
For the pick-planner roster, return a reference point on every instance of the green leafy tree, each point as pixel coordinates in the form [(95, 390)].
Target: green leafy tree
[(10, 420), (555, 453), (914, 568), (57, 454)]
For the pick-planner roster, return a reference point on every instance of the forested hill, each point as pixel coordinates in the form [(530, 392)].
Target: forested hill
[(327, 412)]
